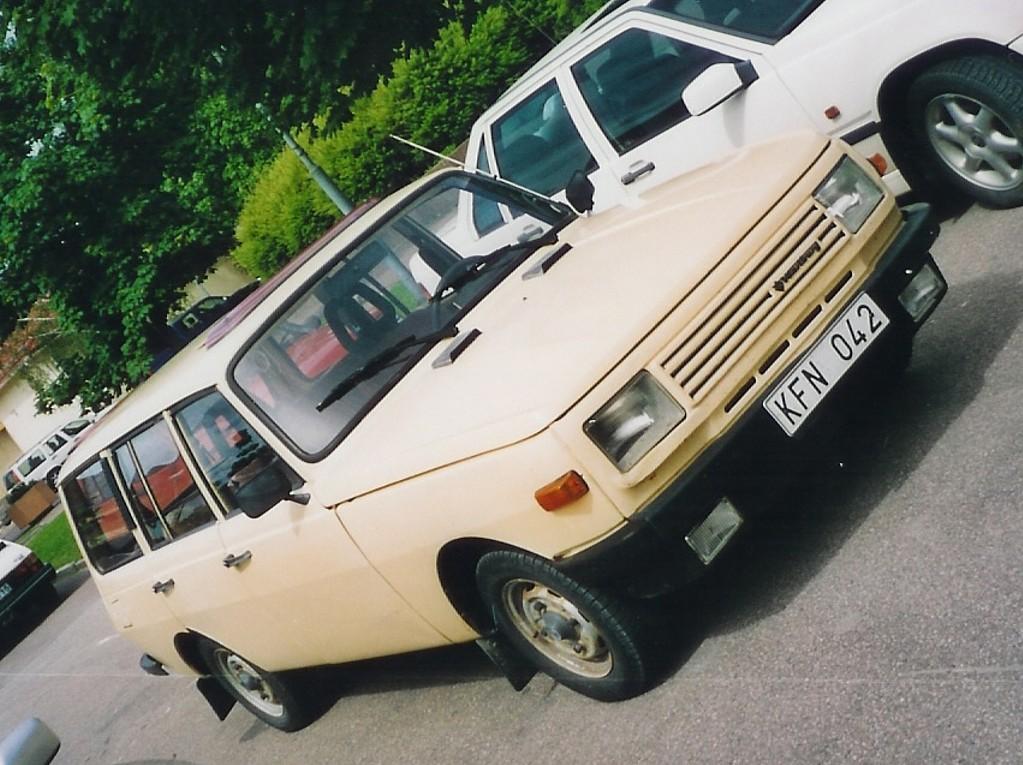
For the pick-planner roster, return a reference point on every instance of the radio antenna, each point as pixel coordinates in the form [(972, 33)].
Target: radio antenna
[(431, 152)]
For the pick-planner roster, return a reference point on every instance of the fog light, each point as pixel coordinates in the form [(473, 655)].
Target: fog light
[(922, 292), (710, 537)]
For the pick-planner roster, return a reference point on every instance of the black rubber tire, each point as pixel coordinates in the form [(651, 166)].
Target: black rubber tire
[(995, 83), (294, 713), (51, 478), (621, 628)]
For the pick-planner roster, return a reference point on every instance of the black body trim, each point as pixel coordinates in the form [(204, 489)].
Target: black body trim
[(862, 133)]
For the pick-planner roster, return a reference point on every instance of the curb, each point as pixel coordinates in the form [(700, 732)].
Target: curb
[(72, 567)]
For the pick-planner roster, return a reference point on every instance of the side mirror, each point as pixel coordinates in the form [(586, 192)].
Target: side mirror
[(31, 743), (579, 192), (716, 84)]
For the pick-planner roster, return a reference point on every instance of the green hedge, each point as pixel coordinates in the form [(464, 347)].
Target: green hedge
[(431, 96)]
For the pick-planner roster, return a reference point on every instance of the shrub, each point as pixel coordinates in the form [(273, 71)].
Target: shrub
[(432, 96)]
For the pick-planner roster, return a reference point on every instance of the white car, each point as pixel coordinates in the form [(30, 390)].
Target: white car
[(44, 460), (23, 577), (930, 90)]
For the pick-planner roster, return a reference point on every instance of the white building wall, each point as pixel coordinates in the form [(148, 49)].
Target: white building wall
[(18, 414)]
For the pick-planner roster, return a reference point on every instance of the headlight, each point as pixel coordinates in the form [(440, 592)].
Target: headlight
[(634, 421), (849, 194)]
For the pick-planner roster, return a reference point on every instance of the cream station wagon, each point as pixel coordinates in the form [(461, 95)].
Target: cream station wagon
[(428, 431)]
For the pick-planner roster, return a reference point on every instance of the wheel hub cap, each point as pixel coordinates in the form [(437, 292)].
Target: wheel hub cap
[(975, 141), (557, 628), (248, 682)]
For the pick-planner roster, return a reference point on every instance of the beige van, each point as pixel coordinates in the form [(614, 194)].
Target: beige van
[(470, 413)]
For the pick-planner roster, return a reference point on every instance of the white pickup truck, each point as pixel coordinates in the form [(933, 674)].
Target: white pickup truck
[(646, 90)]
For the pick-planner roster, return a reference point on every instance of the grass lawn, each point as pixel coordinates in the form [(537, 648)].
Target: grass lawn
[(53, 542)]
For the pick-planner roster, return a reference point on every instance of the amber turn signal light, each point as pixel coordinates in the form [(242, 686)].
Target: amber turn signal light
[(879, 162), (561, 491)]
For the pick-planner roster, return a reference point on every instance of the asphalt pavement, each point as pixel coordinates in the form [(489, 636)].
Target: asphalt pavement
[(875, 617)]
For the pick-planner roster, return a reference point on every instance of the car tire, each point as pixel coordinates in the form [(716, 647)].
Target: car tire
[(966, 121), (585, 639), (267, 695), (51, 478)]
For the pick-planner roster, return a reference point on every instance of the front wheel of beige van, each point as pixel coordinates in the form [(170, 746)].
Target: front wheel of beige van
[(587, 640), (265, 694)]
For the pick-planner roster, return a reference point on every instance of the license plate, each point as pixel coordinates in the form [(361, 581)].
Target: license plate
[(792, 400), (5, 590)]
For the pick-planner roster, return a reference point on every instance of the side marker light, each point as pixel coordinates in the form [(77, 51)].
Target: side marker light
[(561, 491)]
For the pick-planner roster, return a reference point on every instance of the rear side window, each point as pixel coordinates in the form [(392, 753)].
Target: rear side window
[(537, 145), (166, 483), (243, 470), (101, 520), (634, 83), (76, 426)]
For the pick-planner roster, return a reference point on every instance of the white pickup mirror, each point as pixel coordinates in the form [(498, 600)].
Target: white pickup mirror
[(716, 84)]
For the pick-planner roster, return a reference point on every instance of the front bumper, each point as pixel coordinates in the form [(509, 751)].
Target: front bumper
[(755, 458)]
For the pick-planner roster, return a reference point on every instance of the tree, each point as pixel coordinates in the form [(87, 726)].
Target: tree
[(113, 201), (300, 59), (128, 140)]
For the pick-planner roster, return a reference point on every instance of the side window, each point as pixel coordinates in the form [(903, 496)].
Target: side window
[(633, 84), (245, 473), (99, 516), (168, 480), (34, 460), (55, 441), (537, 145), (152, 525), (75, 427)]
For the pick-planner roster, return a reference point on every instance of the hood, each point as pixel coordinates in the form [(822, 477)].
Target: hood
[(544, 342)]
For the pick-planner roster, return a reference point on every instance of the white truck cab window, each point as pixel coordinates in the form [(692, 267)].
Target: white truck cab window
[(633, 84), (537, 145)]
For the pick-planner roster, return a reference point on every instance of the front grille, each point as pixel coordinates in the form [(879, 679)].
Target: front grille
[(746, 307)]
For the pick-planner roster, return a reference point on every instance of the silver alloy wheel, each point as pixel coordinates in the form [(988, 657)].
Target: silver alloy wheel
[(247, 682), (556, 628), (975, 142)]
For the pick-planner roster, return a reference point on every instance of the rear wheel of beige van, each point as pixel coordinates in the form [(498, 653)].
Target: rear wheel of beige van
[(265, 694), (587, 640)]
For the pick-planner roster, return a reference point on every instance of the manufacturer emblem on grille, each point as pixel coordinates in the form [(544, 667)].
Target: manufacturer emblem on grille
[(792, 271)]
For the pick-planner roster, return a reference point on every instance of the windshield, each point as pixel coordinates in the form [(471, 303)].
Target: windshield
[(360, 320), (768, 19)]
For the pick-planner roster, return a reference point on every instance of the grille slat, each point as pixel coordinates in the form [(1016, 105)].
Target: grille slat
[(745, 306), (699, 345)]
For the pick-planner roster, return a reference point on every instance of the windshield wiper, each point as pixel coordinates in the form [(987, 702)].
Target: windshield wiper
[(471, 268), (381, 361)]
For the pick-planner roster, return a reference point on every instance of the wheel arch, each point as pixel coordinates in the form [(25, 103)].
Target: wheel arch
[(456, 569), (891, 95), (187, 645)]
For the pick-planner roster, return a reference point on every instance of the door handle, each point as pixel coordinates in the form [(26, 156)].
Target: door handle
[(163, 586), (231, 561), (637, 172)]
